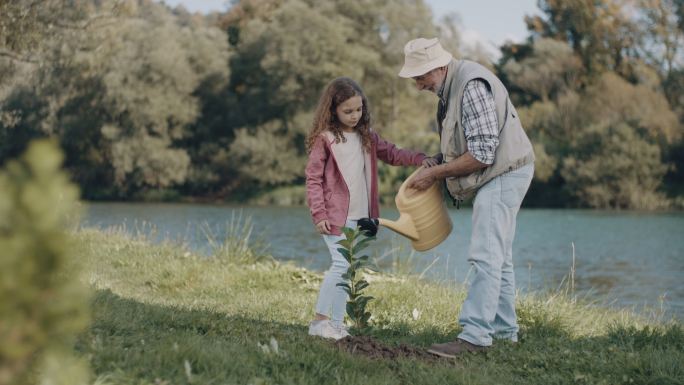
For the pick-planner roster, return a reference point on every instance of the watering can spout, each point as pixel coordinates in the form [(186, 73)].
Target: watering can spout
[(403, 226)]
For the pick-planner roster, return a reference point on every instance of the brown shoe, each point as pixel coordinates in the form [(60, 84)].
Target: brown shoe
[(455, 348)]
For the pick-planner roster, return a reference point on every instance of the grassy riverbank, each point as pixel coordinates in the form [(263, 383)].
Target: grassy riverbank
[(162, 315)]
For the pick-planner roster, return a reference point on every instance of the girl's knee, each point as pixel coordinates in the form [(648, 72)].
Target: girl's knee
[(340, 266)]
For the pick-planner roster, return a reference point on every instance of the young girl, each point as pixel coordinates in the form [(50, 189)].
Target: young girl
[(342, 185)]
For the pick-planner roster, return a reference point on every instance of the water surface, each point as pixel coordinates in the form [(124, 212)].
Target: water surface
[(623, 259)]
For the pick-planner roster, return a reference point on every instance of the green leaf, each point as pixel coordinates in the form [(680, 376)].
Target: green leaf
[(366, 316), (361, 285), (344, 285), (346, 254), (363, 300), (344, 243), (355, 266), (350, 311), (349, 233)]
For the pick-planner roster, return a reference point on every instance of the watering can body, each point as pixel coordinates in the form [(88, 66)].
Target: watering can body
[(423, 216)]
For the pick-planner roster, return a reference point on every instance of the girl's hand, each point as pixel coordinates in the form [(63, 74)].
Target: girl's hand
[(323, 227), (429, 162)]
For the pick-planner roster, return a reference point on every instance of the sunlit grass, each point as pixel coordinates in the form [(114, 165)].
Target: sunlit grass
[(399, 260), (237, 244)]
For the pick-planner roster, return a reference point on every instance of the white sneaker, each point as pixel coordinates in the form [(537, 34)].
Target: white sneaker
[(327, 329), (344, 332)]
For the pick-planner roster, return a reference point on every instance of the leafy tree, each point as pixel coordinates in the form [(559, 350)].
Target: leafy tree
[(625, 50), (145, 98), (25, 25), (27, 30), (545, 164), (550, 69), (615, 168), (601, 32), (663, 34), (29, 27), (564, 128), (613, 100), (122, 97), (266, 157)]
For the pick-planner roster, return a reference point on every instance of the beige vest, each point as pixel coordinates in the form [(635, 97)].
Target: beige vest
[(514, 150)]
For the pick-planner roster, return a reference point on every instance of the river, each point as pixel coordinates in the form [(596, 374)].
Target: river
[(622, 259)]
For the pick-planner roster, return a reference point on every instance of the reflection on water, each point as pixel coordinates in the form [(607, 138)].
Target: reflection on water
[(626, 259)]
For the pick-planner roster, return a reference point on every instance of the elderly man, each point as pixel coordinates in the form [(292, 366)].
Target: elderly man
[(487, 154)]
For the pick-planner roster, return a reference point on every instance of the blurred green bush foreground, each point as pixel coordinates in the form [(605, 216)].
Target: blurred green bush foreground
[(43, 301)]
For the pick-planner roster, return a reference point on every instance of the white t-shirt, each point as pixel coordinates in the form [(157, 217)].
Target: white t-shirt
[(349, 156)]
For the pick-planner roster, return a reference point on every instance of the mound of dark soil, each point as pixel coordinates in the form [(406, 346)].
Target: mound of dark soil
[(368, 346)]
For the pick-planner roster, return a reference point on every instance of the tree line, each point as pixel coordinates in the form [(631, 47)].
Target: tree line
[(154, 103)]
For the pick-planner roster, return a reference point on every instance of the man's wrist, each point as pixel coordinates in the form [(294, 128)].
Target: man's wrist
[(438, 172)]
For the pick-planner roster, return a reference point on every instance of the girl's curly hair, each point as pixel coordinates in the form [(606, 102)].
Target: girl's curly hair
[(325, 118)]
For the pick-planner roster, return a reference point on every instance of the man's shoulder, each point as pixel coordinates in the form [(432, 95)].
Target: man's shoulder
[(472, 74)]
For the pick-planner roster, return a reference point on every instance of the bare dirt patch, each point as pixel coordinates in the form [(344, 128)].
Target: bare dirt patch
[(370, 347)]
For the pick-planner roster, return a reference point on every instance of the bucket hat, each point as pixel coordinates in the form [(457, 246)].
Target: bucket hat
[(422, 56)]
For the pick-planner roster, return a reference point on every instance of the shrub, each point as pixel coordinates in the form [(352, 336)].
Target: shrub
[(43, 304)]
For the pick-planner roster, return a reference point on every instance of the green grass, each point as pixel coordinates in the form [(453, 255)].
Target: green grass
[(162, 315)]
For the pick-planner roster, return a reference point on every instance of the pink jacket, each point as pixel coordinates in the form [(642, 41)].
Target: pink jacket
[(326, 191)]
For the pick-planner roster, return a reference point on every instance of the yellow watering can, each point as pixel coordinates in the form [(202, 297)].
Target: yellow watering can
[(423, 216)]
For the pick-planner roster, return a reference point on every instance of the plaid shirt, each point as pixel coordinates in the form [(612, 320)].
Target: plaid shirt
[(478, 116)]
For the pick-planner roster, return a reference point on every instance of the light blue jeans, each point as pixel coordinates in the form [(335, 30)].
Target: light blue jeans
[(332, 299), (489, 309)]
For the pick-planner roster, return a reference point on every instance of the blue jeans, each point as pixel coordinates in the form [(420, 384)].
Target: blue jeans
[(489, 309), (332, 299)]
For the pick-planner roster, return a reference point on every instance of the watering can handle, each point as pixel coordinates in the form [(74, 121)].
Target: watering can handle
[(369, 226)]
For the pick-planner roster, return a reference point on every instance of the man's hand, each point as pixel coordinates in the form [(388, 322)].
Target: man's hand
[(323, 227), (423, 180), (429, 162), (463, 165)]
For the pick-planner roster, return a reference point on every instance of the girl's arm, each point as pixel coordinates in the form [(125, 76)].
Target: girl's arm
[(390, 154), (315, 168)]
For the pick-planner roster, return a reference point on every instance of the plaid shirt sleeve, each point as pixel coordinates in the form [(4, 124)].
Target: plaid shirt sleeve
[(479, 121)]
